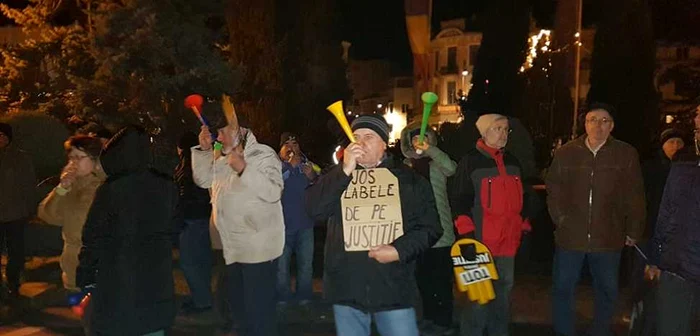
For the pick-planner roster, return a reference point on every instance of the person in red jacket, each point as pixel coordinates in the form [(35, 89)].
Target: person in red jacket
[(491, 204)]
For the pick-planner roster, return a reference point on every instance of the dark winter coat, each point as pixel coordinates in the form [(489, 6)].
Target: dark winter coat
[(17, 185), (691, 152), (488, 197), (676, 241), (194, 201), (655, 174), (127, 242), (354, 279)]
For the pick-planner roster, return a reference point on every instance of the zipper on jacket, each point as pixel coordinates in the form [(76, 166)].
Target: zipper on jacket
[(590, 203), (489, 205)]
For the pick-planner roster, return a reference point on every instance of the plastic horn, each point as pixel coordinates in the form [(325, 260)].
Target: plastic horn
[(194, 102), (429, 99), (337, 111)]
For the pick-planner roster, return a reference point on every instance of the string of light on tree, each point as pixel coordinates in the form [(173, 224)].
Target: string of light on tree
[(539, 44)]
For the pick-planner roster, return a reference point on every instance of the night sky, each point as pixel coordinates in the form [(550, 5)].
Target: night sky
[(377, 28)]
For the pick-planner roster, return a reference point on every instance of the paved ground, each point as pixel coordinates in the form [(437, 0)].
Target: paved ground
[(45, 312)]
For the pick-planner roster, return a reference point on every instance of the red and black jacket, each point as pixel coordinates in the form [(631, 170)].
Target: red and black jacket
[(488, 198)]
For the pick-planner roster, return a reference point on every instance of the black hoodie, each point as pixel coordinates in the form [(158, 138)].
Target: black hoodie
[(127, 242)]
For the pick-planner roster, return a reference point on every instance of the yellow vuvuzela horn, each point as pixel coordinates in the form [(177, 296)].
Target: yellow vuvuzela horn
[(337, 110)]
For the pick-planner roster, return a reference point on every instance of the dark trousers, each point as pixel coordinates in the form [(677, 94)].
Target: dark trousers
[(12, 238), (493, 317), (253, 297), (196, 260), (222, 294), (435, 277), (300, 243), (678, 306), (604, 267)]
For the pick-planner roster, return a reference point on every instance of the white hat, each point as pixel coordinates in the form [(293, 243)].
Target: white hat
[(485, 121)]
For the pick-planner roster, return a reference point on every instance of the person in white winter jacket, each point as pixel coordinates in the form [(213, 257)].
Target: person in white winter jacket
[(245, 178)]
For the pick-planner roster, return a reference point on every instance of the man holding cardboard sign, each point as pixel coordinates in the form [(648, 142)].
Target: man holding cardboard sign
[(381, 215)]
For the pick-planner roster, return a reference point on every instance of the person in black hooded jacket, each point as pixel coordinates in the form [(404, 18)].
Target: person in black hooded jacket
[(126, 257)]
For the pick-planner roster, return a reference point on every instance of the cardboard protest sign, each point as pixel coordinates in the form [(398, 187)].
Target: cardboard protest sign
[(474, 269), (371, 208)]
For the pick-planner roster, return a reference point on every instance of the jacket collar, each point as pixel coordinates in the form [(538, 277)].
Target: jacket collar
[(489, 151), (581, 142)]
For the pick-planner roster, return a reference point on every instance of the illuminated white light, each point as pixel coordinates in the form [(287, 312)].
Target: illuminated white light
[(379, 106), (334, 157), (397, 120), (465, 73)]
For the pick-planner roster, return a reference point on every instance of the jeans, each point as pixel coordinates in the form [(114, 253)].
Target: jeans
[(12, 237), (353, 322), (196, 260), (252, 297), (495, 315), (434, 276), (300, 243), (604, 268), (678, 302)]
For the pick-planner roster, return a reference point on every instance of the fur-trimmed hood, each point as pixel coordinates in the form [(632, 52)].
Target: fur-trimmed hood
[(406, 146)]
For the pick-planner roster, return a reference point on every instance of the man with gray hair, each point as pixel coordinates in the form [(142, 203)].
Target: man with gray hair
[(246, 184)]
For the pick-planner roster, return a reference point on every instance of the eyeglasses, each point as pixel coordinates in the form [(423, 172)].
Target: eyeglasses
[(603, 121), (501, 129)]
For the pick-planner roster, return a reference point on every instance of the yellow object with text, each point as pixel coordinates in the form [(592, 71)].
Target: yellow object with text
[(474, 276)]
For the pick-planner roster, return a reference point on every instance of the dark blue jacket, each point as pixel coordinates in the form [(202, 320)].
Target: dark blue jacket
[(295, 183), (676, 238)]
